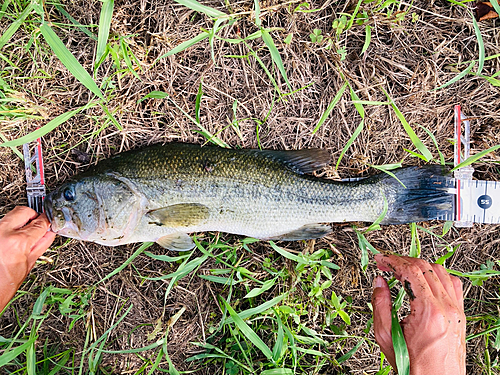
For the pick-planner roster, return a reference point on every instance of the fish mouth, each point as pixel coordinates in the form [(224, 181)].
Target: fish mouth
[(60, 218), (47, 206)]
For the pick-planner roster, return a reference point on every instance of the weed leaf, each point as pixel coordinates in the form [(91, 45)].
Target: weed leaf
[(185, 45), (330, 107), (351, 352), (194, 5), (68, 60), (275, 55), (15, 25), (480, 45), (248, 332), (413, 137), (457, 77), (474, 158), (277, 371), (51, 125), (268, 284), (10, 355), (104, 26), (259, 309), (399, 344), (351, 140), (138, 252), (368, 38)]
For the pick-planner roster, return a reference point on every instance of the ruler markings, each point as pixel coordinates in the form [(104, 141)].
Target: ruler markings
[(485, 193)]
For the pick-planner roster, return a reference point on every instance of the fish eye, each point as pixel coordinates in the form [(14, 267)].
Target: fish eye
[(69, 194)]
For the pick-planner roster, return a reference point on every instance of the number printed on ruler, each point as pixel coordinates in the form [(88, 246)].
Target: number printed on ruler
[(480, 201)]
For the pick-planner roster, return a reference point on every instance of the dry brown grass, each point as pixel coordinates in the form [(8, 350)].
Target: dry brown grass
[(407, 59)]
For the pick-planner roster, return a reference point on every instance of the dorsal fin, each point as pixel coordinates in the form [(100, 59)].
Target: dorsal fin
[(300, 161)]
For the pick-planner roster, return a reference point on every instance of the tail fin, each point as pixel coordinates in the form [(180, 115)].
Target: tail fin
[(426, 196)]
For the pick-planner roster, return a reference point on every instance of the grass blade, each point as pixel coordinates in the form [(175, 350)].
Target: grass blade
[(138, 252), (441, 156), (493, 81), (104, 26), (166, 258), (194, 5), (494, 4), (415, 248), (15, 25), (268, 284), (400, 348), (474, 158), (275, 55), (82, 28), (257, 310), (211, 37), (51, 125), (198, 102), (357, 102), (354, 14), (203, 131), (351, 352), (258, 22), (126, 58), (8, 356), (480, 45), (368, 38), (351, 140), (413, 137), (457, 77), (68, 60), (185, 45), (277, 371), (249, 332), (184, 269), (219, 280), (111, 117), (330, 107)]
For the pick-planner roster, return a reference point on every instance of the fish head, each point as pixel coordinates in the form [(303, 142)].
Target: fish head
[(101, 209)]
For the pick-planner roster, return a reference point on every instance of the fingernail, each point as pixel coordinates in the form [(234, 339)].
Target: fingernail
[(378, 282)]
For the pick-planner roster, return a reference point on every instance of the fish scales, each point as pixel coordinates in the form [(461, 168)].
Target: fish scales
[(161, 193)]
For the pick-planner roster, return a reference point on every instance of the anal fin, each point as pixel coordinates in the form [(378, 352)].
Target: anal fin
[(307, 232), (176, 242)]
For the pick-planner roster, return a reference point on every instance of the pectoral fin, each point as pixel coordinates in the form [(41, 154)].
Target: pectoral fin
[(176, 242), (179, 215), (307, 232)]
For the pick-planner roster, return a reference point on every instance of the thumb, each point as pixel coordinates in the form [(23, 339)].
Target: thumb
[(382, 305)]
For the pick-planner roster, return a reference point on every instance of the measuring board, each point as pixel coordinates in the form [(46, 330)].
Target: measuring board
[(478, 201), (35, 182)]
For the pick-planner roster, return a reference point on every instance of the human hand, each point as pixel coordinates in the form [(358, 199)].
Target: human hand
[(24, 236), (435, 329)]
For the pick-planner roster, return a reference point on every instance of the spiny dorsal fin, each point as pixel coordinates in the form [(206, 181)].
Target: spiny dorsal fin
[(301, 161), (179, 215)]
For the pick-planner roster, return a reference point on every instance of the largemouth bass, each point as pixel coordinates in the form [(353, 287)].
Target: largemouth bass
[(162, 193)]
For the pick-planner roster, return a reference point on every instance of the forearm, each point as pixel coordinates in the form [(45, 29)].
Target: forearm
[(8, 286)]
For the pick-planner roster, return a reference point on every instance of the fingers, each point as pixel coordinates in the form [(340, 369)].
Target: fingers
[(421, 279), (35, 229), (457, 287), (382, 306), (446, 282), (409, 273), (40, 247), (18, 217)]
